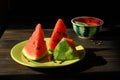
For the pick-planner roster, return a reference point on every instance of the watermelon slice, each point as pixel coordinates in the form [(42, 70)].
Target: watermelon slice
[(65, 50), (58, 33), (35, 47)]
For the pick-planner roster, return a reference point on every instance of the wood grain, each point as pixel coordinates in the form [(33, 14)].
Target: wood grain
[(101, 61)]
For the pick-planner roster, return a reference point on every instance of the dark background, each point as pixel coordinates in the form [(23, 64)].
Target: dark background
[(27, 13), (30, 12)]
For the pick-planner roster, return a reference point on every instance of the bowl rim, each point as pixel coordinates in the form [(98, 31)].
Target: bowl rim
[(101, 21)]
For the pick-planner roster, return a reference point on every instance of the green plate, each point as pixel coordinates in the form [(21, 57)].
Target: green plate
[(17, 56)]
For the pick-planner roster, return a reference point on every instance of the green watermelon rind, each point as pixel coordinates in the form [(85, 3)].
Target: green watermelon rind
[(64, 51)]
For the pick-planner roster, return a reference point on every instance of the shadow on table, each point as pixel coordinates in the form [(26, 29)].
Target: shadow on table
[(110, 34), (90, 60)]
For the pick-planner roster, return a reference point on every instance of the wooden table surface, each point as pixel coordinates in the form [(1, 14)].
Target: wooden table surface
[(102, 59)]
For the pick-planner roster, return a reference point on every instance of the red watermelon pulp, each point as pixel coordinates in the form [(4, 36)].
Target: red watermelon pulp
[(35, 47), (58, 33)]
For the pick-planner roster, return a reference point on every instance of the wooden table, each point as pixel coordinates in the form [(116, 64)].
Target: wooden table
[(102, 60)]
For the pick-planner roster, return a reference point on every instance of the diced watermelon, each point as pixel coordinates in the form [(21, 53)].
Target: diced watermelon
[(35, 47), (65, 50), (58, 33), (88, 21), (92, 21)]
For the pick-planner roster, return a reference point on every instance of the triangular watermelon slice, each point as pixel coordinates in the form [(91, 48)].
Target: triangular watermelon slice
[(58, 33), (35, 47), (65, 50)]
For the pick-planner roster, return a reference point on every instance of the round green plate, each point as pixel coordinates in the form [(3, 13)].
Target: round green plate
[(17, 56)]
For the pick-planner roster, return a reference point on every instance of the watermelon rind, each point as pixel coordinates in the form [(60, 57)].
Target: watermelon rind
[(63, 51), (26, 54)]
